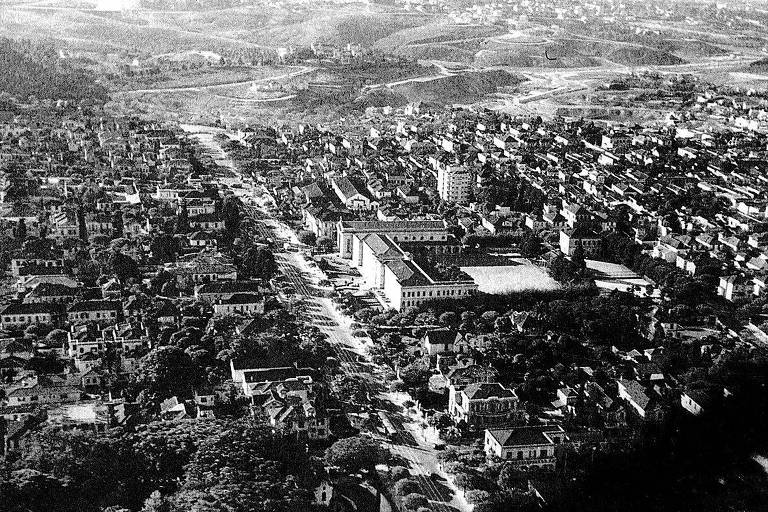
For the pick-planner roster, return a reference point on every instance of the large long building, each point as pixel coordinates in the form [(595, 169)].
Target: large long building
[(398, 231), (374, 250)]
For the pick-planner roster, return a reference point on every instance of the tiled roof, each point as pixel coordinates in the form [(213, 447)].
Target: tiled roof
[(525, 436), (397, 225), (407, 274), (95, 305), (28, 309), (485, 390)]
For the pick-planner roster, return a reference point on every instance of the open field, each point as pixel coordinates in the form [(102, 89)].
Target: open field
[(523, 275)]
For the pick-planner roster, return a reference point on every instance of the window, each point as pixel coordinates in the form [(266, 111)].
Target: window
[(544, 453), (520, 455)]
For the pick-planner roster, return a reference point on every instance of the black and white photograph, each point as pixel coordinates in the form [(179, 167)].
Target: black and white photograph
[(383, 255)]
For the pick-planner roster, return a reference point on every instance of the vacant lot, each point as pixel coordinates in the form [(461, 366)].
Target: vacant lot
[(522, 275)]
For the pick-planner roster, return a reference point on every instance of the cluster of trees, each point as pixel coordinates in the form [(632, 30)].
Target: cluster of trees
[(489, 486), (206, 466), (567, 270), (33, 69), (516, 193), (676, 284), (258, 262)]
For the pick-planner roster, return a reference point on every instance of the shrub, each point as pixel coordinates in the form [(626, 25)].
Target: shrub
[(406, 487), (399, 473), (414, 501)]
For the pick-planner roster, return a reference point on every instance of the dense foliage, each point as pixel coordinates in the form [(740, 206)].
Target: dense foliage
[(34, 69), (203, 465)]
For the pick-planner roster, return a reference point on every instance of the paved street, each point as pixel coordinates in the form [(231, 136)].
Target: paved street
[(350, 351)]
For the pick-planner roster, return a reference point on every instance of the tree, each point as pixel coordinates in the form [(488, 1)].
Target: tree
[(532, 247), (259, 262), (406, 486), (414, 501), (182, 219), (475, 496), (124, 267), (440, 420), (511, 478), (56, 337), (415, 374), (399, 473), (165, 372), (164, 247), (117, 224), (21, 230), (82, 230), (351, 388), (448, 318), (231, 216), (577, 259), (325, 244), (354, 454), (307, 237)]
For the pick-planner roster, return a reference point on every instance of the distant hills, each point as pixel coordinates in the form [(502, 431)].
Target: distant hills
[(34, 69), (759, 66)]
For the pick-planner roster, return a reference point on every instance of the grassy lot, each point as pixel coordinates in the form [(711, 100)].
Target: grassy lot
[(521, 275)]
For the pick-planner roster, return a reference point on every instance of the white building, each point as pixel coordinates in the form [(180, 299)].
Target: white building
[(398, 231), (454, 183), (525, 446), (385, 265)]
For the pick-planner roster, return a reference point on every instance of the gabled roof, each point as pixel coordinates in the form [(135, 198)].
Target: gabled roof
[(406, 273), (95, 305), (486, 390), (28, 309), (381, 246), (348, 189), (525, 436), (635, 391)]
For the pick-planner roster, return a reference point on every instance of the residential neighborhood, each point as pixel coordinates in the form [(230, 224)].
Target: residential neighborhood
[(425, 310)]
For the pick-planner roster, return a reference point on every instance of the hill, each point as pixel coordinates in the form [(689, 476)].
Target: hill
[(759, 66), (464, 88), (34, 69)]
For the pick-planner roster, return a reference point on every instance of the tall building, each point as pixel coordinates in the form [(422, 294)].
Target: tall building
[(454, 183)]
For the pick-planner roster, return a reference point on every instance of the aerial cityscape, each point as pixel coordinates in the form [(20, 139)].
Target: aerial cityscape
[(383, 255)]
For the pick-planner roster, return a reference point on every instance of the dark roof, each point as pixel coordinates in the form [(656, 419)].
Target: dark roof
[(380, 226), (243, 298), (28, 309), (381, 245), (524, 436), (407, 274), (95, 305), (231, 287), (349, 188), (485, 390), (52, 290)]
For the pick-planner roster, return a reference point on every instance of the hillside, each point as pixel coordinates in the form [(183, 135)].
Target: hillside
[(465, 88), (32, 69), (759, 66)]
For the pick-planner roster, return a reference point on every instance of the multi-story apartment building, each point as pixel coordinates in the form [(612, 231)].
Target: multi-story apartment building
[(454, 183)]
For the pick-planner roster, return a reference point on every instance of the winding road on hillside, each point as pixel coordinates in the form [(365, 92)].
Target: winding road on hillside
[(303, 70)]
